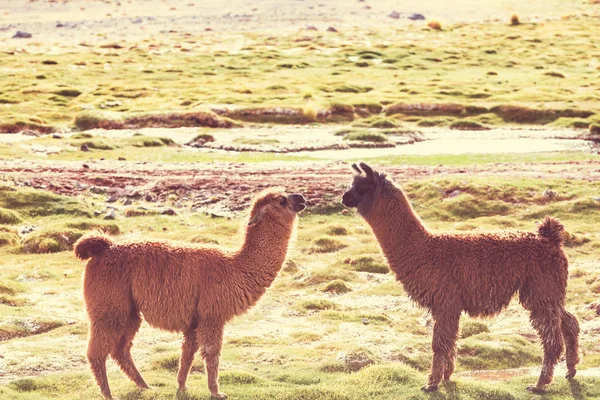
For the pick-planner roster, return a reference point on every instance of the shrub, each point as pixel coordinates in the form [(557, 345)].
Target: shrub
[(326, 244), (473, 328), (514, 20), (595, 129), (337, 230)]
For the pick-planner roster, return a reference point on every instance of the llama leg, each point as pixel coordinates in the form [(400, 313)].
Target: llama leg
[(99, 344), (188, 350), (445, 334), (547, 322), (449, 368), (570, 331), (121, 353), (210, 336)]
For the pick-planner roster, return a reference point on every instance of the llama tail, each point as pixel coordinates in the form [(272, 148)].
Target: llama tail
[(91, 245), (551, 229)]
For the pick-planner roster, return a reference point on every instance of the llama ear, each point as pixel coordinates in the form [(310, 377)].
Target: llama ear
[(355, 167), (368, 170), (256, 219)]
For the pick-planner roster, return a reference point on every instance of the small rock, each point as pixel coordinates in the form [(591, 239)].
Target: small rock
[(311, 28), (365, 321), (168, 211), (26, 229), (122, 159), (416, 17), (85, 166), (84, 147), (97, 190), (22, 35), (164, 229), (29, 132), (454, 193), (394, 15), (149, 197), (549, 194), (127, 202), (56, 136), (110, 215), (347, 260), (345, 211), (113, 197), (97, 213), (331, 29)]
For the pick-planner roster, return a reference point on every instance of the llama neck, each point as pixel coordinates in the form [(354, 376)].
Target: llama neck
[(398, 229), (261, 257)]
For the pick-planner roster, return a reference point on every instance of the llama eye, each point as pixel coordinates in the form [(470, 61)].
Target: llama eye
[(283, 201)]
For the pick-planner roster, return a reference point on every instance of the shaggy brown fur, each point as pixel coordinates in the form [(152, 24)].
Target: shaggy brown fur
[(180, 288), (474, 273)]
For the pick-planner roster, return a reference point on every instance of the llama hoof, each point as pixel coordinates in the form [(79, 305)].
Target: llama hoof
[(429, 388), (535, 389), (570, 374), (219, 396), (182, 389)]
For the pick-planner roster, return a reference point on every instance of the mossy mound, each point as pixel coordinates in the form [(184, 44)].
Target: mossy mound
[(471, 328), (371, 264), (39, 203), (318, 305), (337, 286), (51, 241), (8, 217), (326, 244)]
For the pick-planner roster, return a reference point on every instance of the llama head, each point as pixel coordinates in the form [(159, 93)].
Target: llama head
[(362, 193), (276, 204)]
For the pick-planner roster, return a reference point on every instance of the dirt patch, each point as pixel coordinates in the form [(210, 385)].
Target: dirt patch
[(229, 186)]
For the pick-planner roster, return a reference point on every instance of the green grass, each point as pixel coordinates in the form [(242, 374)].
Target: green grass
[(294, 344), (446, 67)]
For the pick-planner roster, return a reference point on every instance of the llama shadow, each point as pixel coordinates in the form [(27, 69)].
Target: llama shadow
[(450, 392), (576, 390)]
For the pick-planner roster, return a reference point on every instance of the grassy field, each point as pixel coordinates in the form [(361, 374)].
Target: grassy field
[(335, 325), (470, 70), (323, 314)]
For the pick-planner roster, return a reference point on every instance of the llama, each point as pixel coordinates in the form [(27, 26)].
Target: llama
[(180, 288), (475, 273)]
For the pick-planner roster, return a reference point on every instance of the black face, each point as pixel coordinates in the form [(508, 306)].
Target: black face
[(296, 201), (363, 186)]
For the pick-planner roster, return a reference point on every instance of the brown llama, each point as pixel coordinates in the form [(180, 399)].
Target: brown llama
[(180, 288), (476, 273)]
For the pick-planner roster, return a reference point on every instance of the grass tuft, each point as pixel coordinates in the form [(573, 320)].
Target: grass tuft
[(326, 244), (471, 328), (337, 286), (8, 217)]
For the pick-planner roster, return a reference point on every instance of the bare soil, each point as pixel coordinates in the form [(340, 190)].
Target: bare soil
[(230, 185)]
